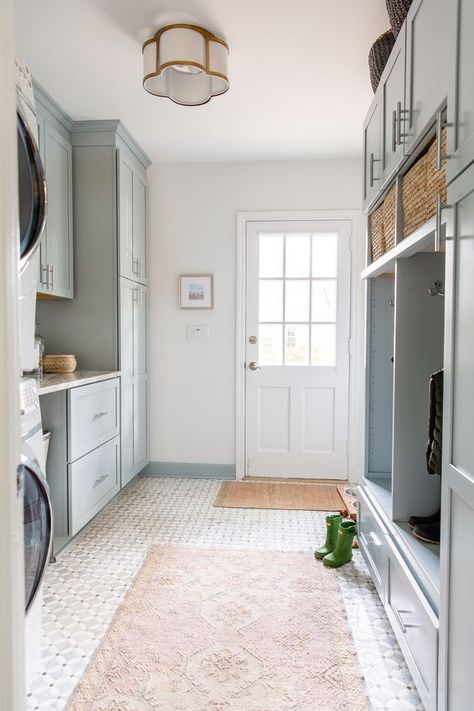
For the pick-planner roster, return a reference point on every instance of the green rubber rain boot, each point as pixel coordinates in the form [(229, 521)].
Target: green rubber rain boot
[(342, 552), (332, 527)]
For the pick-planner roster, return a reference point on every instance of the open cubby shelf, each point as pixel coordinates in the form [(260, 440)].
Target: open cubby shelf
[(422, 240)]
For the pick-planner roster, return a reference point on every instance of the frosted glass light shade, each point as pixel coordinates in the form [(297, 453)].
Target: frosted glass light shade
[(185, 63)]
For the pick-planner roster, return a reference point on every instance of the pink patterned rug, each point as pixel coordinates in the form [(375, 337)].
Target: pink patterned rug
[(216, 630)]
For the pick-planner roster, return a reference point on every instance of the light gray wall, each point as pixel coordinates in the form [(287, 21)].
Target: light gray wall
[(193, 229)]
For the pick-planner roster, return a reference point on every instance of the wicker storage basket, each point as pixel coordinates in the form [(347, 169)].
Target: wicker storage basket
[(390, 218), (436, 179), (397, 12), (378, 56), (414, 200), (377, 241), (59, 363)]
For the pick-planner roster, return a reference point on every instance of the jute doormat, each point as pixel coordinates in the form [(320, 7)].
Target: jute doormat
[(215, 630), (278, 495)]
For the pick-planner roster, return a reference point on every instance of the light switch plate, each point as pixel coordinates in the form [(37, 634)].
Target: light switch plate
[(197, 332)]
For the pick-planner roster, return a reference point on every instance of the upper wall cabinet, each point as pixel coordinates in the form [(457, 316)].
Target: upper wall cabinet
[(55, 277), (372, 151), (461, 88), (132, 219), (392, 88), (426, 80)]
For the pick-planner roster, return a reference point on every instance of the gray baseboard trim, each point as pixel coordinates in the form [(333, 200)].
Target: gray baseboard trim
[(189, 470)]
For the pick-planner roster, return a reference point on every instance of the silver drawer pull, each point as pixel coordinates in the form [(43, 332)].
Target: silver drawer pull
[(398, 615), (98, 415), (136, 270), (370, 539), (101, 479)]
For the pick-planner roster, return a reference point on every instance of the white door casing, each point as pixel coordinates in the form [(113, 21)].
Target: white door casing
[(297, 306)]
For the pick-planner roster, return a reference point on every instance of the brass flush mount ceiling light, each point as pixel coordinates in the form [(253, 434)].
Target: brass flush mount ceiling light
[(186, 64)]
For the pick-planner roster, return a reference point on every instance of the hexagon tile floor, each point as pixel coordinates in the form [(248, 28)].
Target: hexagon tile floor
[(85, 586)]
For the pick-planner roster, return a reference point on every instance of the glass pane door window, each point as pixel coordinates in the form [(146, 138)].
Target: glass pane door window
[(297, 299)]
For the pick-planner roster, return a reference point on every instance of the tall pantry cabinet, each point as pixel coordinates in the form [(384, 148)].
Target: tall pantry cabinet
[(420, 319), (456, 690), (106, 323)]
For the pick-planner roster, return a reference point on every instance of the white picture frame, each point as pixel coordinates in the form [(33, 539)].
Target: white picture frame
[(196, 291)]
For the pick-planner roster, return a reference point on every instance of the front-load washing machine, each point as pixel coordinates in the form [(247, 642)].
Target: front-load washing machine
[(38, 520), (32, 201)]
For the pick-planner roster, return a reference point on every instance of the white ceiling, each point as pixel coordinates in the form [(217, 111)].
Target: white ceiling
[(299, 85)]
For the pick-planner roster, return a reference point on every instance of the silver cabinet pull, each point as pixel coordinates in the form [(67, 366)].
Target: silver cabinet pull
[(372, 179), (253, 365), (98, 415), (135, 266), (394, 131), (100, 479), (136, 295), (440, 124), (45, 270), (400, 135), (51, 272)]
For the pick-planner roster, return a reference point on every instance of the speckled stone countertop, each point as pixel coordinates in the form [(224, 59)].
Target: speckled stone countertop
[(54, 382)]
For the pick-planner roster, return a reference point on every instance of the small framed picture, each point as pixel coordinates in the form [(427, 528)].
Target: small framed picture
[(196, 291)]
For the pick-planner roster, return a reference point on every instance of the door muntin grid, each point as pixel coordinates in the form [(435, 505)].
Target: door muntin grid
[(297, 290)]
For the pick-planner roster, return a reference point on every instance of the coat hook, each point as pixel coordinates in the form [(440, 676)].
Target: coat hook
[(436, 289)]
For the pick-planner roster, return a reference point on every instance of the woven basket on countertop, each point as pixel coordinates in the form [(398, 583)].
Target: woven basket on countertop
[(378, 56), (59, 363), (436, 179), (390, 218), (377, 241), (414, 200)]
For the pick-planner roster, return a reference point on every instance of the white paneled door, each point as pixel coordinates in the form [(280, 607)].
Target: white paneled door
[(297, 348)]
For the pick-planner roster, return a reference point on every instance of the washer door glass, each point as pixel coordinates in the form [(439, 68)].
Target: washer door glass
[(37, 530), (31, 189)]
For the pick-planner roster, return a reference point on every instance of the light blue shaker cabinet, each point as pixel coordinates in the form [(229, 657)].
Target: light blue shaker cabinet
[(134, 369), (55, 278), (426, 80), (461, 87), (109, 311), (457, 571), (132, 214)]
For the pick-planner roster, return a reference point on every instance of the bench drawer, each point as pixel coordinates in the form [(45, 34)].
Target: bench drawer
[(372, 538), (415, 626), (94, 416), (94, 480)]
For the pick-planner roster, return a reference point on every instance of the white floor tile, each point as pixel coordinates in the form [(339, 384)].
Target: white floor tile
[(85, 586)]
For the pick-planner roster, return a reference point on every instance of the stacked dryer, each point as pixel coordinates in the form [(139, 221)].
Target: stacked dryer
[(31, 471)]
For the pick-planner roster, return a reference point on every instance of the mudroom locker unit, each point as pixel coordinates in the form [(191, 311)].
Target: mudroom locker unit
[(419, 320)]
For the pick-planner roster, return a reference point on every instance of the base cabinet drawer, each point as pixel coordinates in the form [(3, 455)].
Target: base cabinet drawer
[(371, 536), (94, 416), (415, 626), (93, 480)]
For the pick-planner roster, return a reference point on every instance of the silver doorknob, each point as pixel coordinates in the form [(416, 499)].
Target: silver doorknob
[(253, 365)]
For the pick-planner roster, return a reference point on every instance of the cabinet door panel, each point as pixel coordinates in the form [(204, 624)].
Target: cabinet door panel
[(457, 577), (128, 431), (58, 155), (141, 423), (128, 298), (55, 276), (140, 227), (372, 153), (426, 76), (461, 89), (125, 198), (393, 98), (141, 341)]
